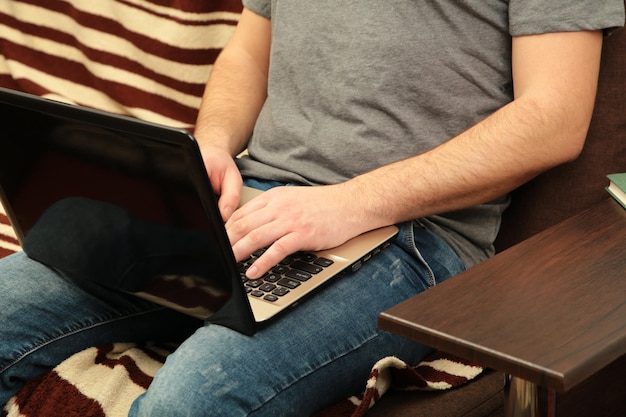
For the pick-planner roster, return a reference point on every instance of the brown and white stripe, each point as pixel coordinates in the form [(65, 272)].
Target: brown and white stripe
[(144, 58), (8, 240), (97, 382), (437, 372)]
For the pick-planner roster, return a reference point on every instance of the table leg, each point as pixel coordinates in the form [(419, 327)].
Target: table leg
[(521, 398)]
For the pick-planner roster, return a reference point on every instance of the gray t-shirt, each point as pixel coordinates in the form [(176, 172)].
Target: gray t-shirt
[(354, 85)]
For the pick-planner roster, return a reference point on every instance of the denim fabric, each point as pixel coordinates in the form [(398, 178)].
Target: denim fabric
[(316, 354)]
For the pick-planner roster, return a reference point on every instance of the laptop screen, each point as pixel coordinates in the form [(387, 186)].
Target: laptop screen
[(108, 206)]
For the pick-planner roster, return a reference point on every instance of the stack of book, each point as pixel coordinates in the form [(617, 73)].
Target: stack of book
[(617, 187)]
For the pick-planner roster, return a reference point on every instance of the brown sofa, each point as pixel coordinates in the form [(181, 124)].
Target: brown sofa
[(543, 202)]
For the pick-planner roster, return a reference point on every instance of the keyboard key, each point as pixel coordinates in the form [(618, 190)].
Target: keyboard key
[(289, 283), (280, 269), (258, 252), (270, 297), (307, 257), (310, 268), (323, 262), (254, 283), (271, 277), (267, 287), (299, 275), (280, 291)]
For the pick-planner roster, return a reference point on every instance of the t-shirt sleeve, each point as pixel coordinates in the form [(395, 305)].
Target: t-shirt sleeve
[(527, 17), (261, 7)]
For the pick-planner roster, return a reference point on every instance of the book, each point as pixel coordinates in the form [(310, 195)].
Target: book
[(617, 187)]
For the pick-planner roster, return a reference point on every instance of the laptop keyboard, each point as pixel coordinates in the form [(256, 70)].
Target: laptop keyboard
[(284, 277)]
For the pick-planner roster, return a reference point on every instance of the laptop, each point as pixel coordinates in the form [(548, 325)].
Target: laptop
[(113, 201)]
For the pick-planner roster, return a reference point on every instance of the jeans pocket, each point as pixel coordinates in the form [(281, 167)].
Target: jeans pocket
[(436, 258)]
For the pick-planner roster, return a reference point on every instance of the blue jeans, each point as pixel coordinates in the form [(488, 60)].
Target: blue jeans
[(314, 355)]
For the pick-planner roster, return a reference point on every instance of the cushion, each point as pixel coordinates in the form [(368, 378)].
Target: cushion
[(144, 58)]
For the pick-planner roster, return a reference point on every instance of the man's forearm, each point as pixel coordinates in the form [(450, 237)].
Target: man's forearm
[(479, 165), (545, 126), (237, 87), (231, 103)]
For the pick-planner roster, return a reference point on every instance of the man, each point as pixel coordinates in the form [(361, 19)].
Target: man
[(421, 114)]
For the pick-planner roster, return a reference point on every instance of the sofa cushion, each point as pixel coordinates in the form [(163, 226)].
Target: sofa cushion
[(482, 398), (148, 59)]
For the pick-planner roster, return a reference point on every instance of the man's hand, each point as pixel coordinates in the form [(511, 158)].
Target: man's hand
[(289, 219), (225, 179)]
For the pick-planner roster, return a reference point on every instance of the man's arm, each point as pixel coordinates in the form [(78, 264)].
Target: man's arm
[(232, 101), (555, 78)]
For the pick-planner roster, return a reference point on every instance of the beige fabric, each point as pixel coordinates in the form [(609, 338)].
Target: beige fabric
[(147, 59)]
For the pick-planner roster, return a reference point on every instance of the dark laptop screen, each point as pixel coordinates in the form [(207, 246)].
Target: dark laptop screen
[(113, 208)]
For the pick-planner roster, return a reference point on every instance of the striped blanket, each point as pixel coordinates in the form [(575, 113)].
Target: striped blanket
[(144, 58), (148, 59), (8, 240)]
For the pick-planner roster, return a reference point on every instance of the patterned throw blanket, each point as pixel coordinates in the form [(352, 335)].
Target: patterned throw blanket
[(103, 381)]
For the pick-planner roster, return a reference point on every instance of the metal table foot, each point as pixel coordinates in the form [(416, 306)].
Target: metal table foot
[(521, 399)]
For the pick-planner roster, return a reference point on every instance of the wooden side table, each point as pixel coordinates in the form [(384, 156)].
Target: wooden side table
[(550, 311)]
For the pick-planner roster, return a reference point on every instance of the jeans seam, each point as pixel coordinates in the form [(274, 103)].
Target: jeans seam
[(416, 252), (73, 332)]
